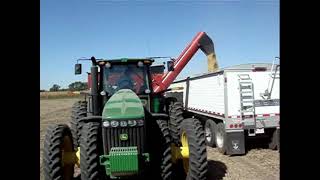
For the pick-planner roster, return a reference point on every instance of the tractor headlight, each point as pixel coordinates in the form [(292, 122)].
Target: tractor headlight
[(140, 122), (108, 65), (102, 93), (123, 123), (132, 123), (106, 123), (147, 91), (114, 123), (140, 64)]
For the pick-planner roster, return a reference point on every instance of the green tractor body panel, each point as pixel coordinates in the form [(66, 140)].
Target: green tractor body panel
[(124, 104), (122, 161)]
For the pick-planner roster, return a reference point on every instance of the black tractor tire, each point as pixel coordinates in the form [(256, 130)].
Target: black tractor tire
[(159, 141), (165, 150), (91, 147), (53, 168), (221, 138), (79, 110), (274, 142), (176, 117), (210, 130), (197, 149)]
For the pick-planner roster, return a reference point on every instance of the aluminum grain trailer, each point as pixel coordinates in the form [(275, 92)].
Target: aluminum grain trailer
[(235, 104)]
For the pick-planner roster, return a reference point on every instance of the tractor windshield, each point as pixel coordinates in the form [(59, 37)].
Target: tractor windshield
[(125, 76)]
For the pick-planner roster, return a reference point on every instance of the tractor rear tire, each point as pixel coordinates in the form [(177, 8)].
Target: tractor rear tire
[(90, 149), (176, 117), (79, 110), (210, 130), (58, 140), (197, 168), (221, 138)]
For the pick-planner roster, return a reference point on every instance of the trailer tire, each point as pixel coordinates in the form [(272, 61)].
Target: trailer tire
[(210, 130), (176, 117), (58, 139), (91, 148), (274, 140), (79, 110), (221, 138), (279, 140), (197, 161)]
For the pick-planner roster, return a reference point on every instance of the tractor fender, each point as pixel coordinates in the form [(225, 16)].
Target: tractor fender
[(174, 96)]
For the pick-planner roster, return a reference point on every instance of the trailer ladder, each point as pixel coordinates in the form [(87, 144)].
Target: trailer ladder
[(247, 109)]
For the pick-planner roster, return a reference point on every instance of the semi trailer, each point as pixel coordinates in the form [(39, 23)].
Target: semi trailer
[(234, 104)]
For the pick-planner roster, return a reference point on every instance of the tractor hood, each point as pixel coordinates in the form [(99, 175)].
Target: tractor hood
[(124, 104)]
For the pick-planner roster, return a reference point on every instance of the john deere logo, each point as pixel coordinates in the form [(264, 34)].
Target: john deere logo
[(123, 137)]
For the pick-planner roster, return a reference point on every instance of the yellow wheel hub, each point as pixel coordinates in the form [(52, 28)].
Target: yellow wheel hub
[(181, 153), (78, 157), (68, 158), (185, 151)]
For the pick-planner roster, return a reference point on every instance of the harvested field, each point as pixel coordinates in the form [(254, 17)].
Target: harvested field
[(58, 94), (258, 164)]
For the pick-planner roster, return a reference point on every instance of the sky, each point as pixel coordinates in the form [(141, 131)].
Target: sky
[(243, 31)]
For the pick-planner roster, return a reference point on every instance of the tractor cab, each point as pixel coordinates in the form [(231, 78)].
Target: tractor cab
[(130, 74)]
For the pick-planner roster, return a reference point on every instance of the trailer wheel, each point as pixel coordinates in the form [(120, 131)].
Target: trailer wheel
[(58, 154), (274, 142), (79, 110), (221, 138), (90, 149), (195, 154), (176, 117), (210, 130)]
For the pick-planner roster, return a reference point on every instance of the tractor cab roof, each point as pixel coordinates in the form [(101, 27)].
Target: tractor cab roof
[(126, 60)]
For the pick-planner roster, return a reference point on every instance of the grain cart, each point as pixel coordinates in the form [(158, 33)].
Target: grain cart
[(122, 129), (234, 104)]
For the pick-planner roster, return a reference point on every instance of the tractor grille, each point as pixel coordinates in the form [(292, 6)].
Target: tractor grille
[(135, 137)]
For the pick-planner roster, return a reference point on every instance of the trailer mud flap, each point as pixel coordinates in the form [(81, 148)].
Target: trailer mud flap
[(235, 143)]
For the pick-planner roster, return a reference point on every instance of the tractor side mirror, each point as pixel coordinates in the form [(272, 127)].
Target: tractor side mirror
[(170, 65), (77, 69)]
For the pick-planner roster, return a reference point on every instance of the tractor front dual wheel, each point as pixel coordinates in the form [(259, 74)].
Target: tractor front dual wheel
[(194, 153), (176, 117), (58, 155), (91, 148), (165, 150), (79, 110)]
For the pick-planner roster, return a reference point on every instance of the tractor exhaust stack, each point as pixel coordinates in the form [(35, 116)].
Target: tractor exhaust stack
[(94, 87)]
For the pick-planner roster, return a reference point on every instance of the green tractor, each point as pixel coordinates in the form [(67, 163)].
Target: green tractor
[(127, 127)]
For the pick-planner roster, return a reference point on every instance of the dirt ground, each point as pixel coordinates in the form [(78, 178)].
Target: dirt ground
[(257, 164)]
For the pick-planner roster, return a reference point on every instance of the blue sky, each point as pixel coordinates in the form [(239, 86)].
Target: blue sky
[(242, 31)]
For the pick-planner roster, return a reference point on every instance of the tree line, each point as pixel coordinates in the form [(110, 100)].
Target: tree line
[(75, 86)]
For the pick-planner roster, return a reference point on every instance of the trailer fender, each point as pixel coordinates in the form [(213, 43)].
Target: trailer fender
[(235, 142)]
